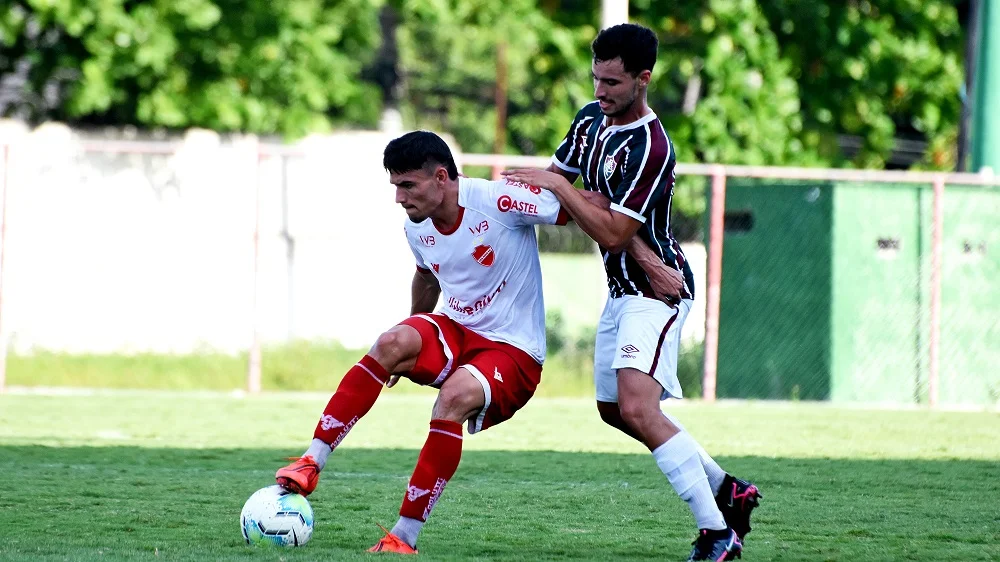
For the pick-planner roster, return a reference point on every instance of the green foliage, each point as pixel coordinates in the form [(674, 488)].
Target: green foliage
[(449, 53), (230, 65), (738, 81), (874, 68), (720, 65)]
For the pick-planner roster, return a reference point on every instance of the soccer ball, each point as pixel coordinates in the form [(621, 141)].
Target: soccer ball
[(275, 516)]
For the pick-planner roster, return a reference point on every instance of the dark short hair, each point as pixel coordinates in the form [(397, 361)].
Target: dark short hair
[(415, 150), (635, 44)]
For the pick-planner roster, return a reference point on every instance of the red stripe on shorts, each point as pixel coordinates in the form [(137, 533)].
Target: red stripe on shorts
[(659, 343)]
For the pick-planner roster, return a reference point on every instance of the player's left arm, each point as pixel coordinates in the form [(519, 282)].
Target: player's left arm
[(424, 292)]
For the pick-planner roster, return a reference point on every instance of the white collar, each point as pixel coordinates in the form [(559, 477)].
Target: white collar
[(640, 122)]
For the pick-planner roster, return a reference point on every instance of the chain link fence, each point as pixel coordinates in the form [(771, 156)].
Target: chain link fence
[(875, 287)]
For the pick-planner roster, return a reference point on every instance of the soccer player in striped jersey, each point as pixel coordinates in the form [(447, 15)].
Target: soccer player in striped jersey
[(619, 148), (474, 245)]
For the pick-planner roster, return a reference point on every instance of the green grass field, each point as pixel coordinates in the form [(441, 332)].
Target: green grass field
[(146, 475)]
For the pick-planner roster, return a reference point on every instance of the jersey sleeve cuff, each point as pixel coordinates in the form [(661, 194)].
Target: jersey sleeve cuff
[(562, 218), (564, 167), (628, 212), (423, 270)]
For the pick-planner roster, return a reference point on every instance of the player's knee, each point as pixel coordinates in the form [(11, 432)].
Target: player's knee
[(459, 398), (395, 346), (636, 414), (610, 413)]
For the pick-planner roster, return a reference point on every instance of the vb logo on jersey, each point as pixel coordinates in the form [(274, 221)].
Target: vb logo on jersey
[(484, 255), (609, 167)]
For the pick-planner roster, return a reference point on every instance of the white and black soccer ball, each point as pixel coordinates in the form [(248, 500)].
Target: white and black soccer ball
[(275, 516)]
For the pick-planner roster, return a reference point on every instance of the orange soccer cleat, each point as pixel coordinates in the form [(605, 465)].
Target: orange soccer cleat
[(392, 543), (300, 477)]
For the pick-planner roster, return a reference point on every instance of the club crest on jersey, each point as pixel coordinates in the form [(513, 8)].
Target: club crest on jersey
[(609, 167), (484, 254)]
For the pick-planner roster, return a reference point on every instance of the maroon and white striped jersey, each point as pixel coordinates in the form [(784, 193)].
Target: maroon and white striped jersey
[(633, 165), (487, 263)]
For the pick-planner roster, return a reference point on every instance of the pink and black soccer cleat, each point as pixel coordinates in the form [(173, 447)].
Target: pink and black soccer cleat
[(736, 499)]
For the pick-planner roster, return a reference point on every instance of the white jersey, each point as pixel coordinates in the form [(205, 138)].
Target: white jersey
[(487, 263)]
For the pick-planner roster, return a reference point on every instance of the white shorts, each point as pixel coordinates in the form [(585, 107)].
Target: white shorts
[(642, 334)]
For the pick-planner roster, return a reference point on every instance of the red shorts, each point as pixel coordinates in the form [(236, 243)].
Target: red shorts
[(508, 375)]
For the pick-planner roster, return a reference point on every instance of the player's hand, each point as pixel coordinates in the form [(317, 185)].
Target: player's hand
[(538, 178), (392, 381), (667, 284)]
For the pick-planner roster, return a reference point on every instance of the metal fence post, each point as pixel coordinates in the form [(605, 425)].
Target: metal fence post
[(254, 357), (937, 234), (713, 276)]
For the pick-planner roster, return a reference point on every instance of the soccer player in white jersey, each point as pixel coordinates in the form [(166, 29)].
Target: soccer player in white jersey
[(474, 244), (619, 148)]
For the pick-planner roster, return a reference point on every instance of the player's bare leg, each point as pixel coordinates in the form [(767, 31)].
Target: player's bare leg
[(676, 453), (461, 397), (394, 351), (735, 498)]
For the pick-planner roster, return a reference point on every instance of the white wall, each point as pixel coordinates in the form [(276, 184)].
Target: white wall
[(111, 251)]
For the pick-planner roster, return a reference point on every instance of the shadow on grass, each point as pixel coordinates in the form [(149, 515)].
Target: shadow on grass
[(183, 504)]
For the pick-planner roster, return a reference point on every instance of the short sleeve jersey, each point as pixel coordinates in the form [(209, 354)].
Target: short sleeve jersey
[(633, 165), (487, 262)]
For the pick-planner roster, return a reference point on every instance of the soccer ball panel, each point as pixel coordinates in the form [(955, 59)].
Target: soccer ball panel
[(275, 516)]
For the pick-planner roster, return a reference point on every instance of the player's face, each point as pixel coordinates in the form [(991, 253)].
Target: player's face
[(420, 192), (616, 89)]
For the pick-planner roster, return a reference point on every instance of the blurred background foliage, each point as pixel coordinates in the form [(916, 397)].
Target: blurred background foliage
[(771, 82)]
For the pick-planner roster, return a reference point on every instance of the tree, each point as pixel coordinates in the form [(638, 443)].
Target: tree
[(232, 65)]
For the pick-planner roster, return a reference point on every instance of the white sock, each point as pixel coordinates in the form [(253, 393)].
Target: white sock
[(679, 462), (712, 469), (319, 450), (408, 529)]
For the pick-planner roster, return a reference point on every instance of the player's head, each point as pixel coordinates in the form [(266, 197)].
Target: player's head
[(420, 164), (624, 56)]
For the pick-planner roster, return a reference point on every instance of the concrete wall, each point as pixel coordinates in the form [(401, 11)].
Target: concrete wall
[(112, 249)]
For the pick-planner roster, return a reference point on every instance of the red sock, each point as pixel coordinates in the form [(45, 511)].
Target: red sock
[(354, 397), (437, 464)]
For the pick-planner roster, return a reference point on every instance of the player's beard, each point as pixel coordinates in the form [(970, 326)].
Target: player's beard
[(623, 108)]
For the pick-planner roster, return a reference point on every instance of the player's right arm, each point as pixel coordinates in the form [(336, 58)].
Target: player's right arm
[(667, 282), (424, 292)]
